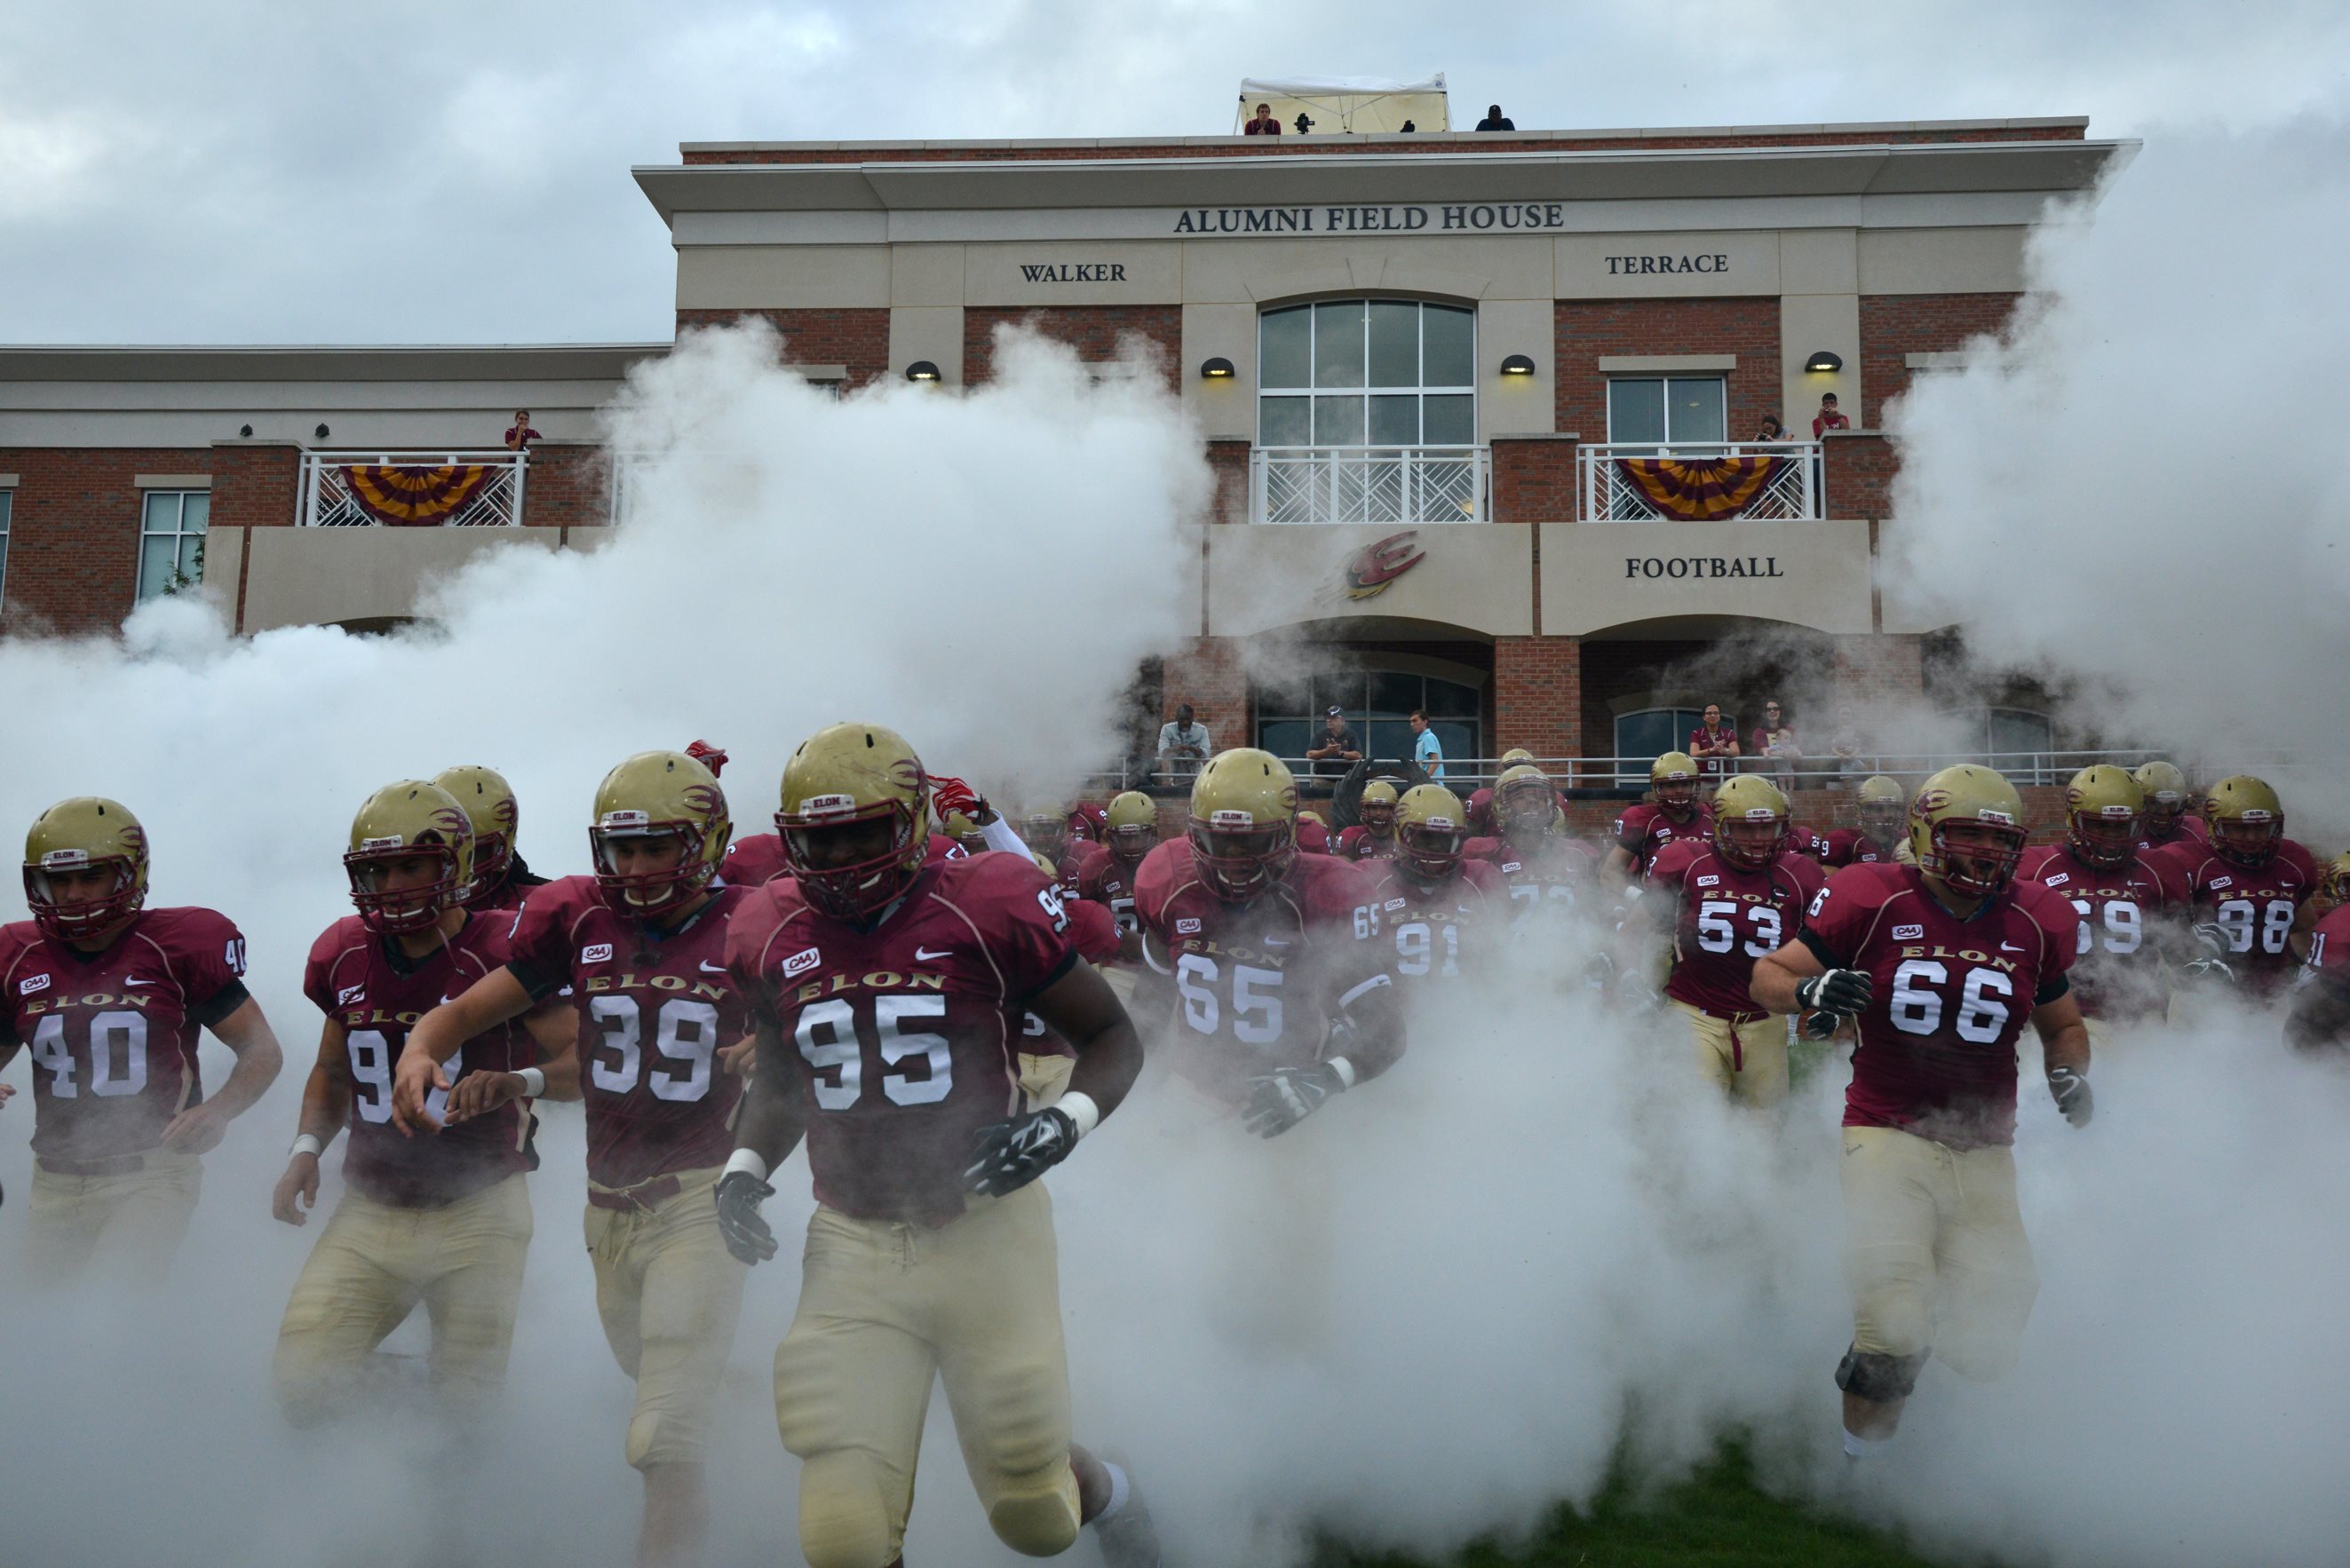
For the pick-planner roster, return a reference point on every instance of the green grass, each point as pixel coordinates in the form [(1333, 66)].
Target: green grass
[(1717, 1516)]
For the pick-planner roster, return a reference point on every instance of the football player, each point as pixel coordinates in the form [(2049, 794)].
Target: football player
[(1940, 962), (2246, 887), (1673, 811), (2116, 978), (1313, 835), (888, 994), (1729, 904), (1130, 827), (2320, 1018), (1438, 907), (2169, 822), (441, 1219), (1543, 867), (1373, 835), (1884, 811), (500, 878), (640, 947), (1283, 996), (111, 996), (1480, 800)]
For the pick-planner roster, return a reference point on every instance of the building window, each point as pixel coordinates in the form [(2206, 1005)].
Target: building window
[(171, 527), (8, 504), (1377, 705), (1668, 410), (1644, 736), (1367, 372), (2014, 738)]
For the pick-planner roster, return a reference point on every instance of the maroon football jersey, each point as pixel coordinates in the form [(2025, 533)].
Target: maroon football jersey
[(1644, 829), (377, 993), (1109, 881), (1728, 917), (2254, 910), (2329, 945), (905, 1037), (1851, 847), (512, 889), (1937, 1052), (1258, 986), (113, 1033), (1093, 931), (1551, 875), (1437, 932), (1360, 844), (654, 1008), (2117, 963), (1480, 812), (1802, 840)]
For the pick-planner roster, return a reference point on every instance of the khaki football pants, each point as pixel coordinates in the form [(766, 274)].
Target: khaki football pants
[(885, 1307), (125, 1228), (669, 1294), (374, 1263), (1935, 1251), (1044, 1079), (1746, 1060)]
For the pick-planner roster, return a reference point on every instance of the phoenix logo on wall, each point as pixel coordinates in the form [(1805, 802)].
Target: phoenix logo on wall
[(1375, 565)]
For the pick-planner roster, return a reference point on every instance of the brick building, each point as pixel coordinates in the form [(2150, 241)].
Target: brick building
[(1480, 407)]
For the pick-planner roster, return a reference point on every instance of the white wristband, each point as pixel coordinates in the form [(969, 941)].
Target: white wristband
[(1344, 1068), (306, 1143), (533, 1082), (1632, 890), (745, 1160), (1079, 1108)]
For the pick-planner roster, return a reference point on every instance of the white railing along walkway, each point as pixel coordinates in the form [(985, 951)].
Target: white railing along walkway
[(1606, 496), (1369, 484), (327, 500)]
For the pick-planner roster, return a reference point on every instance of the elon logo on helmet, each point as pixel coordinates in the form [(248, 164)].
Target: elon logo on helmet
[(1379, 564)]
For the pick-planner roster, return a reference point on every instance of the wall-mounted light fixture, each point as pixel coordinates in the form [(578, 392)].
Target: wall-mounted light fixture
[(244, 430), (1518, 365), (1823, 361), (921, 370), (322, 432), (1217, 370)]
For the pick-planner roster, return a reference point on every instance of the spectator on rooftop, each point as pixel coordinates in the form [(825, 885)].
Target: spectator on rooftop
[(1829, 417), (520, 436), (1713, 744), (1495, 119), (1263, 124), (1182, 745)]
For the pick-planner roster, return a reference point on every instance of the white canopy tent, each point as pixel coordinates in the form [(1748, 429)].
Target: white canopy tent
[(1340, 106)]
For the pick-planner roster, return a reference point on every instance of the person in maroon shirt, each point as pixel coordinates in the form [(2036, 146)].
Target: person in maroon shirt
[(639, 948), (519, 435), (888, 994), (1674, 812), (1445, 914), (2246, 888), (111, 998), (501, 875), (1941, 962), (1829, 417), (2320, 1018), (1714, 743), (430, 1214), (1883, 807), (1262, 123)]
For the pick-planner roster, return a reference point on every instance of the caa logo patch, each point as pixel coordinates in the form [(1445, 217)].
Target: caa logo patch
[(1707, 881), (1395, 903), (349, 994), (1909, 934), (2058, 880), (595, 952), (1187, 926), (2219, 882), (31, 983), (801, 962)]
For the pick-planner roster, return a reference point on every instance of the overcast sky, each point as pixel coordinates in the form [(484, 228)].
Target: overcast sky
[(459, 172)]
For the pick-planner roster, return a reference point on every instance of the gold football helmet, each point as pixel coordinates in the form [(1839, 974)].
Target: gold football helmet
[(1046, 830), (1884, 807), (1749, 818), (2247, 821), (1376, 808), (2165, 789), (405, 821), (2335, 882), (2102, 808), (1130, 825), (659, 794), (854, 818), (489, 804), (1673, 777), (1966, 830), (1516, 756), (1430, 829), (1525, 806), (1243, 827), (84, 834), (962, 831)]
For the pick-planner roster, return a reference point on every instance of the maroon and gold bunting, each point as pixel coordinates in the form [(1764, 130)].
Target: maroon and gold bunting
[(1700, 492), (413, 497)]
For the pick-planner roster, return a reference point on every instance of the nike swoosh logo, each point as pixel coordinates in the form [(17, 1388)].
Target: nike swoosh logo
[(924, 955), (138, 983), (709, 968), (446, 1001), (2009, 948)]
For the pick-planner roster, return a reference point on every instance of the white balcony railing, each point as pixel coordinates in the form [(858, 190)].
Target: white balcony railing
[(1368, 485), (1611, 494), (413, 489)]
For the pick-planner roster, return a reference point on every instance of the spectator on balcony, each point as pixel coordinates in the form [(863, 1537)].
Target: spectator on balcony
[(1263, 124), (1713, 743), (1848, 742), (1829, 417), (1427, 751), (1340, 747), (1775, 739), (1182, 745), (1772, 431), (1495, 119), (521, 435)]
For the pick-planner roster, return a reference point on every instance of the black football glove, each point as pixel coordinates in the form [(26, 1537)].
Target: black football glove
[(2072, 1097), (1828, 999), (747, 1236), (1286, 1097), (2213, 961), (1008, 1156)]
